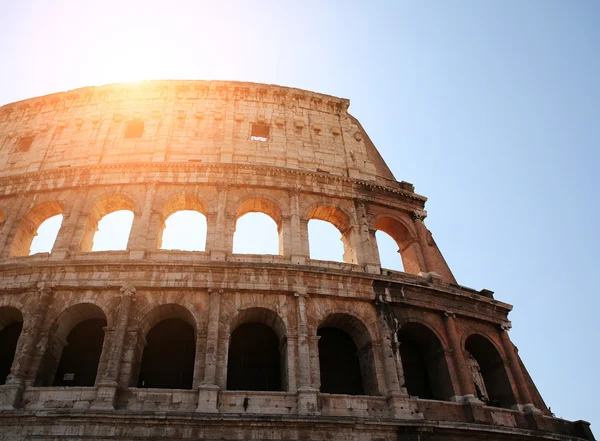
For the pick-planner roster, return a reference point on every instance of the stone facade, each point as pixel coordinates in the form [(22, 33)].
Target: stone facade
[(159, 147)]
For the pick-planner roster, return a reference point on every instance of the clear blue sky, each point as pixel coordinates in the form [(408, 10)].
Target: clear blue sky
[(491, 108)]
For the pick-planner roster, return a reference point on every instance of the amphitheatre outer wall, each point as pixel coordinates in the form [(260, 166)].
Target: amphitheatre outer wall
[(159, 147)]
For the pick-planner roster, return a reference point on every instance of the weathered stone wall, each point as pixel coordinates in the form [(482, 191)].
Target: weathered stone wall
[(196, 154)]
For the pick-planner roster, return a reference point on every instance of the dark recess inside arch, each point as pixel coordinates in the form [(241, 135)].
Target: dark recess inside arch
[(168, 360), (339, 363), (254, 360), (9, 336), (79, 360)]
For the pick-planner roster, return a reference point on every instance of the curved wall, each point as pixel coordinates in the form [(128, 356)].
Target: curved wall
[(78, 154)]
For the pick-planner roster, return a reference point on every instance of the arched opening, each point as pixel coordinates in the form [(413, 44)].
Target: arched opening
[(258, 228), (108, 225), (325, 241), (257, 352), (79, 360), (185, 230), (407, 245), (168, 359), (346, 358), (47, 215), (389, 255), (11, 324), (426, 372), (488, 372), (327, 226), (74, 347), (184, 224)]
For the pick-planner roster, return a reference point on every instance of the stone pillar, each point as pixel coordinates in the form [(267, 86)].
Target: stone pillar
[(138, 238), (216, 224), (298, 230), (515, 368), (307, 394), (284, 231), (397, 396), (66, 235), (13, 214), (108, 383), (467, 388), (369, 256), (352, 244), (315, 367), (12, 391), (209, 391)]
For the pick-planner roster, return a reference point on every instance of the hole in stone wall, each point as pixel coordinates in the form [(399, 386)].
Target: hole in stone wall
[(79, 360), (113, 231), (254, 361), (168, 359), (256, 233), (389, 255), (46, 235), (9, 336), (134, 129), (185, 230), (259, 132), (325, 241), (339, 363), (24, 144)]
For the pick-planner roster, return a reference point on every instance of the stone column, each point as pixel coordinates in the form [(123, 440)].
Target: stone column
[(285, 241), (208, 391), (397, 396), (13, 214), (467, 388), (108, 383), (138, 238), (307, 394), (298, 229), (66, 235), (515, 368), (369, 256), (12, 391), (217, 238)]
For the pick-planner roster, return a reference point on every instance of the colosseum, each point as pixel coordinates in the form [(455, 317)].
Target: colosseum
[(153, 343)]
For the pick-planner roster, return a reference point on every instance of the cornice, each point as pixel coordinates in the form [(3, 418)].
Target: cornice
[(93, 176), (184, 90)]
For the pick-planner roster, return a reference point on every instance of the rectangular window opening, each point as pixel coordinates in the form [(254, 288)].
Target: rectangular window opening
[(134, 129), (260, 132), (25, 143)]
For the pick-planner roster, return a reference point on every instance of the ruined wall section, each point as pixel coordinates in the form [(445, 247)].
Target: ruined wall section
[(184, 121)]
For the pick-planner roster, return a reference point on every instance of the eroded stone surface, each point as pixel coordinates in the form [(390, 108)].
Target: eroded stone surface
[(78, 154)]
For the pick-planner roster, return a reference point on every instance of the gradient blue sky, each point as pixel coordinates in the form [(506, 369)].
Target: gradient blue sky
[(491, 108)]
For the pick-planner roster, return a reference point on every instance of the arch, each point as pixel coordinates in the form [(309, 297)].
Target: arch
[(259, 204), (341, 221), (167, 347), (423, 358), (263, 205), (257, 353), (176, 204), (488, 372), (11, 325), (27, 230), (104, 205), (167, 311), (74, 347), (408, 246), (346, 358)]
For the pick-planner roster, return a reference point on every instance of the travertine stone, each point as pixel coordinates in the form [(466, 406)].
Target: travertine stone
[(68, 154)]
